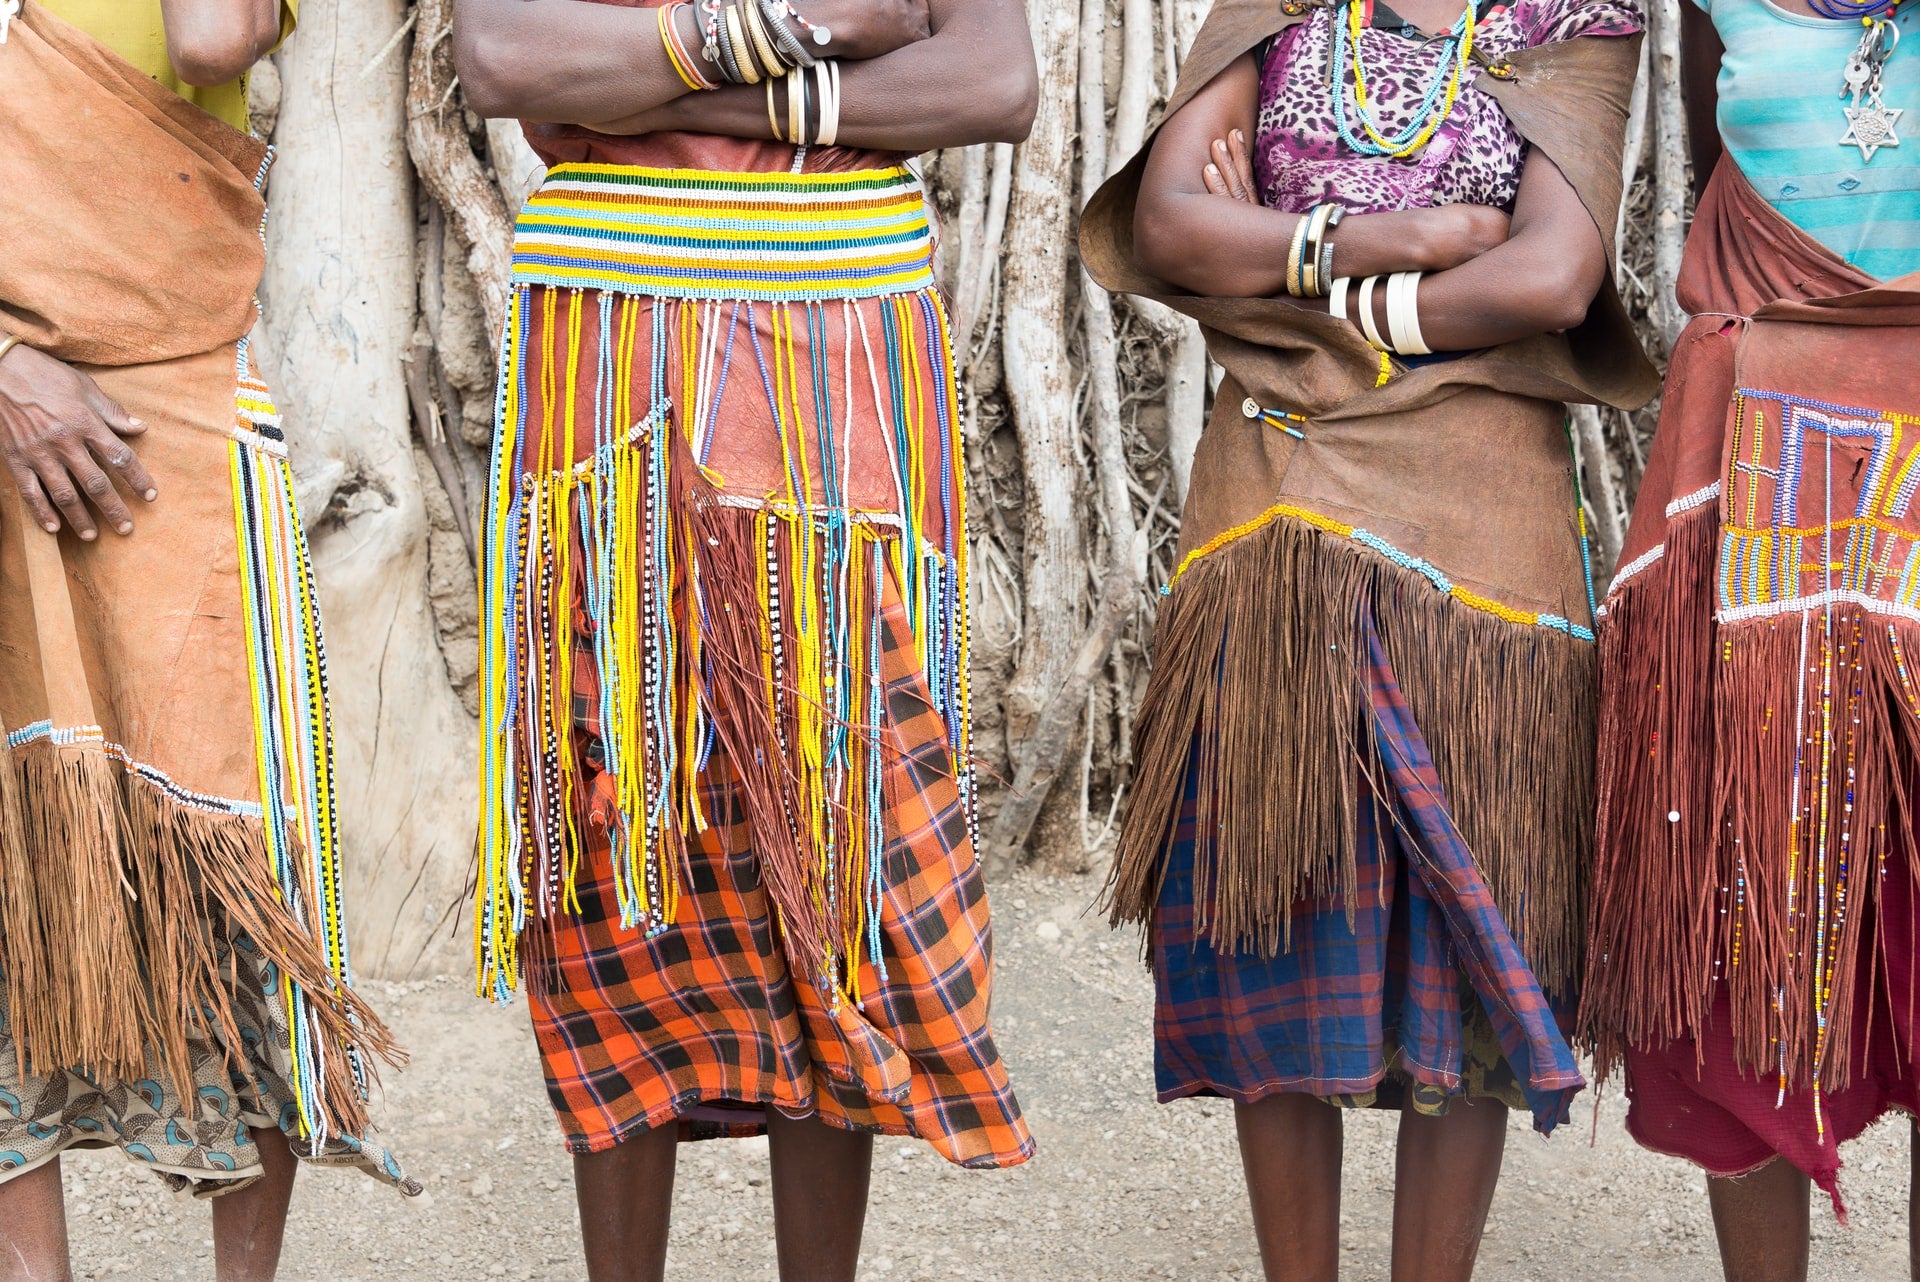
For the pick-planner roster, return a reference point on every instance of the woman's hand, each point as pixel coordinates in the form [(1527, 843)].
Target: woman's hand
[(864, 28), (58, 431), (1432, 239)]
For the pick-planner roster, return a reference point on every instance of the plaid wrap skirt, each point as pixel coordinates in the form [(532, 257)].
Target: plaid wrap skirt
[(709, 1022), (1418, 996)]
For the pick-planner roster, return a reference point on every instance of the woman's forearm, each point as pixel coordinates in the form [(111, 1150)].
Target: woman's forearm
[(972, 81), (1227, 248), (1540, 280), (215, 42), (564, 61)]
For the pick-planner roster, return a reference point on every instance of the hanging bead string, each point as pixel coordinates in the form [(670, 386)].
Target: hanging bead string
[(1435, 106), (822, 578)]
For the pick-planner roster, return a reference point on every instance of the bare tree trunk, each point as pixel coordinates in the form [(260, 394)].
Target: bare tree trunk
[(339, 296), (437, 140), (1669, 168), (1596, 471), (1046, 749), (1039, 384)]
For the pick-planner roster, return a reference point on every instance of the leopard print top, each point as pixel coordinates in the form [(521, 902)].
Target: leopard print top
[(1475, 157)]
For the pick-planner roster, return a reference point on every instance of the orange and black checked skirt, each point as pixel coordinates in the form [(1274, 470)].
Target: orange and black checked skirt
[(710, 1022)]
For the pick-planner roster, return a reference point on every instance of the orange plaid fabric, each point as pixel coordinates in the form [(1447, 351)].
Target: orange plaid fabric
[(707, 1023)]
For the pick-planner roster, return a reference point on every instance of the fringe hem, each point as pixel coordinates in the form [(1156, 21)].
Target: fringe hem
[(110, 894), (1270, 710), (1754, 778)]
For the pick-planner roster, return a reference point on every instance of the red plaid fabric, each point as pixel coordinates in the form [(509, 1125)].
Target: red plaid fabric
[(707, 1023)]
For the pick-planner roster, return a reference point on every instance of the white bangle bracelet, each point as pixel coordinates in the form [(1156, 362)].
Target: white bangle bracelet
[(1403, 324), (1367, 326), (1337, 299), (1418, 339), (829, 71)]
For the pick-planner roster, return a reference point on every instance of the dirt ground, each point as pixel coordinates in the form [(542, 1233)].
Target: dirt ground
[(1123, 1188)]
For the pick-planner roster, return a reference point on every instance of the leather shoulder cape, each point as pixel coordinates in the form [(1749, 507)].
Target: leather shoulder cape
[(1443, 502)]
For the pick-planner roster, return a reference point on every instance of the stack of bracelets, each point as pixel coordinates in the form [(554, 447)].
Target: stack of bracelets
[(1403, 336), (1310, 256), (751, 43)]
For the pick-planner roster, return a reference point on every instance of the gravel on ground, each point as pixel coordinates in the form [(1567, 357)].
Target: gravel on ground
[(1123, 1188)]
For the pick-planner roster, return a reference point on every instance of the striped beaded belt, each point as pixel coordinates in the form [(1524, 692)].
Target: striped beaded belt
[(697, 234)]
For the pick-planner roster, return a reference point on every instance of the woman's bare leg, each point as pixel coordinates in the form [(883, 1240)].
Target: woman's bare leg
[(249, 1226), (1290, 1149), (820, 1179), (626, 1205), (1913, 1204), (1443, 1184), (33, 1227), (1761, 1221)]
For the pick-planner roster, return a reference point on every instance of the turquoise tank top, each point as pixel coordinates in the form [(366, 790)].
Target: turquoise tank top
[(1780, 118)]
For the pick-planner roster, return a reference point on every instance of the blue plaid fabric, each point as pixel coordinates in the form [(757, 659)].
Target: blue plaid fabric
[(1353, 998)]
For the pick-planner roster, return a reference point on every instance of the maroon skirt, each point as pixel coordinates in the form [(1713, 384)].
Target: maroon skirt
[(1689, 1099)]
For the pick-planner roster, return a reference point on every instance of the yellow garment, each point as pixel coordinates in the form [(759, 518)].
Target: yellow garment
[(134, 30)]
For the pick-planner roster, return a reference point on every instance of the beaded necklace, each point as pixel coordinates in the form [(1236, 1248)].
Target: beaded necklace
[(1443, 90)]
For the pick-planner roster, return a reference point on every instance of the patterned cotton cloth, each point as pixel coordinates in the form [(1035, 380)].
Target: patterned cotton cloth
[(709, 1022), (1474, 158), (204, 1146), (1424, 988)]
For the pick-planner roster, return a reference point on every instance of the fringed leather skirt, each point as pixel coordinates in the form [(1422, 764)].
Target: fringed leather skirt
[(727, 837), (1411, 995)]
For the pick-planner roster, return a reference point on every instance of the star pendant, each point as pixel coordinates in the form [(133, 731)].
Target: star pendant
[(1871, 127)]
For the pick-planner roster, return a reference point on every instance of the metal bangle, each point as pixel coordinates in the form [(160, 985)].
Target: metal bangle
[(740, 48), (773, 12), (8, 342), (770, 58), (723, 46), (1296, 248)]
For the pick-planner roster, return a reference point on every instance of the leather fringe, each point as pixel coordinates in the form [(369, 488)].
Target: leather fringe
[(112, 897), (1260, 684), (1752, 788), (1655, 761)]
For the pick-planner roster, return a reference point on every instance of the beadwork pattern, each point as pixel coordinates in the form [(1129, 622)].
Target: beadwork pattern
[(1425, 569), (697, 282), (292, 733), (1785, 544), (765, 238)]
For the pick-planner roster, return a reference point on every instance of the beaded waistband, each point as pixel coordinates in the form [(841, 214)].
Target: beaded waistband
[(696, 234)]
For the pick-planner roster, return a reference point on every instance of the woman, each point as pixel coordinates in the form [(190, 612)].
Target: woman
[(1752, 951), (174, 978), (1363, 790), (728, 825)]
